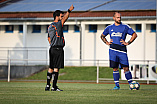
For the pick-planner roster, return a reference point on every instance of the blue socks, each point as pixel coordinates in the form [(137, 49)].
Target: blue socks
[(128, 76), (116, 77)]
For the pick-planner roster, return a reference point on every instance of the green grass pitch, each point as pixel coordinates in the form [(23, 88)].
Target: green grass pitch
[(75, 93)]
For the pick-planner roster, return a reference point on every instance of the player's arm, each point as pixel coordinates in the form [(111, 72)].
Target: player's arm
[(49, 39), (103, 38), (66, 16), (134, 36)]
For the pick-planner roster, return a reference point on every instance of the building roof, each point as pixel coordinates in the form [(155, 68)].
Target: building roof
[(80, 5), (86, 9), (129, 5)]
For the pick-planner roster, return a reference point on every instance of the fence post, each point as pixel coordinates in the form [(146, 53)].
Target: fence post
[(147, 71), (46, 56), (9, 65), (97, 71)]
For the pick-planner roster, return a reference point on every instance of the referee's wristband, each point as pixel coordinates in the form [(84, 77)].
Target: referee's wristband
[(69, 11)]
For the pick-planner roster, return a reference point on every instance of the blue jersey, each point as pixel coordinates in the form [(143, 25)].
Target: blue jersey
[(118, 52), (118, 32)]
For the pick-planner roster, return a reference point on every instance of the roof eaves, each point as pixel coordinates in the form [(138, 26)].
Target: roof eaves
[(77, 18)]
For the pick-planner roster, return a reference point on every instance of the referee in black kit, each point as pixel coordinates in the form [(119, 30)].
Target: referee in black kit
[(56, 52)]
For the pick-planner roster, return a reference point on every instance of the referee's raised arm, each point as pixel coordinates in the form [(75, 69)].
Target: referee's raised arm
[(66, 16)]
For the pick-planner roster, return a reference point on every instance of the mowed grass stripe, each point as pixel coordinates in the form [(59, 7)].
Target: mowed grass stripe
[(75, 93)]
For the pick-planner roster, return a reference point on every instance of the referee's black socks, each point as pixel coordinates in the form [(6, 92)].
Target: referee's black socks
[(55, 78), (49, 77)]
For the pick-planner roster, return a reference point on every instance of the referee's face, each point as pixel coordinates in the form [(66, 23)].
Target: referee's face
[(117, 18), (61, 16)]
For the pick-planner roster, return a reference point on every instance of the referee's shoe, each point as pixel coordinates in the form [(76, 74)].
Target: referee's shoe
[(56, 89), (47, 88)]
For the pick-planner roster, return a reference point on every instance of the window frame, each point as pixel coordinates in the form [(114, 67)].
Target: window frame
[(20, 28), (7, 30), (76, 28), (36, 30), (47, 28), (65, 31), (92, 28), (137, 27), (152, 27)]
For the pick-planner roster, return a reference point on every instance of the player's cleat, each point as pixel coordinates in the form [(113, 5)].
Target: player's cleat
[(56, 89), (116, 88), (47, 88)]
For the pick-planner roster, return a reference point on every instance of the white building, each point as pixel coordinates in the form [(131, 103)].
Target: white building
[(23, 26)]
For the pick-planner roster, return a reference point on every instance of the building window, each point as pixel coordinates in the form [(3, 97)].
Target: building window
[(47, 28), (76, 28), (65, 28), (36, 28), (93, 28), (138, 27), (20, 28), (9, 28), (153, 27)]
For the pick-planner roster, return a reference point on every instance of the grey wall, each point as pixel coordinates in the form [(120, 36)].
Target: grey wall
[(19, 71)]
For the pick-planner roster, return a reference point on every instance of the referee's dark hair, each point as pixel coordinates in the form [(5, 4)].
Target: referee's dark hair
[(57, 13)]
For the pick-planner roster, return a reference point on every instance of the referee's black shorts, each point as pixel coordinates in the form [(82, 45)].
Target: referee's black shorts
[(56, 57)]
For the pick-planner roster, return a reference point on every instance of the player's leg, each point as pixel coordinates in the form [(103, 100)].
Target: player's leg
[(49, 77), (58, 63), (55, 79), (125, 65), (116, 77), (128, 74), (50, 71), (114, 64)]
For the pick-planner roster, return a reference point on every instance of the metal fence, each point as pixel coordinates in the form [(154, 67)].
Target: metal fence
[(24, 55), (39, 56)]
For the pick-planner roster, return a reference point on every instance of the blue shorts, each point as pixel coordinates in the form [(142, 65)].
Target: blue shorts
[(118, 58)]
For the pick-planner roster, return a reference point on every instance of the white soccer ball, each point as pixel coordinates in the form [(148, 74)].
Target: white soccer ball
[(134, 85)]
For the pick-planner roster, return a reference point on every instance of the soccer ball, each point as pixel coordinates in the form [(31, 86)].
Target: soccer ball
[(134, 85)]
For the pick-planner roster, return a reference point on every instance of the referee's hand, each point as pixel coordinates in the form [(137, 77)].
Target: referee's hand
[(71, 8)]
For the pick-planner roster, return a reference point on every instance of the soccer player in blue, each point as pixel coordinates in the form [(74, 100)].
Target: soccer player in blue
[(117, 51)]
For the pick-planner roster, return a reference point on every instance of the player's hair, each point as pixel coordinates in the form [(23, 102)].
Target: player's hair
[(57, 13), (115, 13)]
